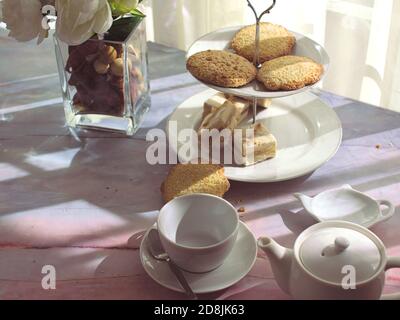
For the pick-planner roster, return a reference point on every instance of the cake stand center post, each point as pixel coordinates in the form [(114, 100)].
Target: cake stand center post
[(256, 59)]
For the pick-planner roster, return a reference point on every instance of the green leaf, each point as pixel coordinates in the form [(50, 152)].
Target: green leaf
[(120, 8), (138, 13)]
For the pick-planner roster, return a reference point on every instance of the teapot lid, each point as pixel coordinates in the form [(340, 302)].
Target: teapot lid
[(333, 253)]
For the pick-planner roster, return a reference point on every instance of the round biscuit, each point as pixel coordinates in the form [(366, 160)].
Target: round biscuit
[(221, 68), (194, 178), (275, 41), (289, 73)]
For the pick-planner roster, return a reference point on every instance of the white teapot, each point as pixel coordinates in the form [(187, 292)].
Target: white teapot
[(331, 260)]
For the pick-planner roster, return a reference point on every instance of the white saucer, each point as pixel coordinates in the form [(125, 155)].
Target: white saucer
[(308, 132), (220, 40), (236, 266)]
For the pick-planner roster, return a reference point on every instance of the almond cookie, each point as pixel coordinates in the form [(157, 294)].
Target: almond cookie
[(275, 41), (221, 68), (194, 178), (289, 73)]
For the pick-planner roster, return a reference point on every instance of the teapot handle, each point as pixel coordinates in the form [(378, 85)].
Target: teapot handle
[(388, 212), (393, 262)]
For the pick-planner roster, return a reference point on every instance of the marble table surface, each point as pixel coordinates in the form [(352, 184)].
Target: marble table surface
[(82, 204)]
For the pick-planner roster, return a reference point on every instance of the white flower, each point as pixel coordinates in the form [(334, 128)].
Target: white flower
[(23, 19), (79, 20)]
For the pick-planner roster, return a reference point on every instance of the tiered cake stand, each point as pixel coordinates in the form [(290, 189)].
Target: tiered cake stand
[(308, 131)]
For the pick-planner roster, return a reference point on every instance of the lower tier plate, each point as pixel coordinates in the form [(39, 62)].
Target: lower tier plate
[(308, 132)]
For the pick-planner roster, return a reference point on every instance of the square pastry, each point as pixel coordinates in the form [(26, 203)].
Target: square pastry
[(256, 146)]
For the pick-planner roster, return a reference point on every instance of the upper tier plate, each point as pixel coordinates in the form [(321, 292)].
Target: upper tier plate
[(220, 40)]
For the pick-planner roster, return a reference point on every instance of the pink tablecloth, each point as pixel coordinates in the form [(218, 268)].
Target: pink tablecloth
[(87, 220)]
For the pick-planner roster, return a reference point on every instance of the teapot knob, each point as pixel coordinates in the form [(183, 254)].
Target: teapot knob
[(341, 244)]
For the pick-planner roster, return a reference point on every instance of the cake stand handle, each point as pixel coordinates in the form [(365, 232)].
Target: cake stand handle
[(254, 105), (256, 59)]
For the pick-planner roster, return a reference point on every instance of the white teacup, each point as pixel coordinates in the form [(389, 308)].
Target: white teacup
[(198, 231)]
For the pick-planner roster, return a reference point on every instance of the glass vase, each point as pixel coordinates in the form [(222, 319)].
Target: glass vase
[(104, 82)]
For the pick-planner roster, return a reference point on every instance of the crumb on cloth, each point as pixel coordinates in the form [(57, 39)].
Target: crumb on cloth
[(241, 210)]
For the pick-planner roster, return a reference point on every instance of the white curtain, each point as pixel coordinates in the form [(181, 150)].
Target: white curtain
[(362, 37), (179, 22)]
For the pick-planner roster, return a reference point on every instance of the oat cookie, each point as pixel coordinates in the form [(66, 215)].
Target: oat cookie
[(194, 178), (221, 68), (275, 41), (289, 73)]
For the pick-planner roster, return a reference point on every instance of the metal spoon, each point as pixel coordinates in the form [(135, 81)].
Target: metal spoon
[(158, 253)]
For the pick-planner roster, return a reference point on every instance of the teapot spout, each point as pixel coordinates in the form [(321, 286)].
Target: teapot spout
[(305, 201), (280, 259)]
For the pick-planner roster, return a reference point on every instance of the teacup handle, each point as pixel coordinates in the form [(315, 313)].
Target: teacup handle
[(388, 212), (392, 262)]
